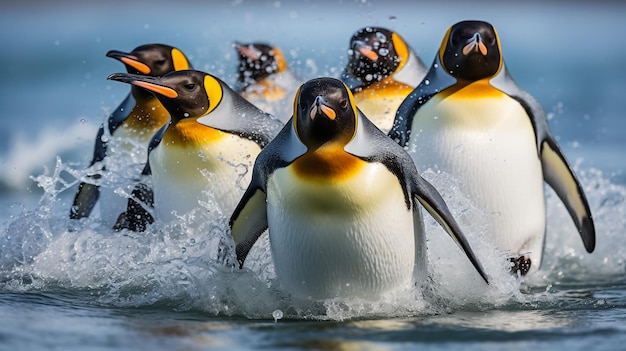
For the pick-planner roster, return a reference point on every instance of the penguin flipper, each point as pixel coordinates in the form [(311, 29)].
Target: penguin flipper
[(558, 174), (137, 215), (435, 81), (85, 200), (371, 144), (432, 201), (248, 222)]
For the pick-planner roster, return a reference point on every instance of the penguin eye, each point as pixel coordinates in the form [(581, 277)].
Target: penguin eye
[(160, 62), (190, 86), (344, 103)]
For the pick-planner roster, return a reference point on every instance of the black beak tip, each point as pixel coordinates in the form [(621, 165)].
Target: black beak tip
[(120, 77)]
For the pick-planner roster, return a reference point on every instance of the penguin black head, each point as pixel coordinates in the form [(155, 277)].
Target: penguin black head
[(152, 59), (324, 111), (185, 94), (375, 53), (471, 51), (258, 60)]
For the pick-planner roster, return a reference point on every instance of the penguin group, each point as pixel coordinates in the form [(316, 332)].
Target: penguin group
[(335, 183)]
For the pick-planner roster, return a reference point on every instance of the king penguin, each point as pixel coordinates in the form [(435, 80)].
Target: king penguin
[(382, 70), (134, 122), (474, 122), (199, 155), (265, 79), (340, 201)]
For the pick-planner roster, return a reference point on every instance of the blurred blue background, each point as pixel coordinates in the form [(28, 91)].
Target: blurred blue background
[(53, 69)]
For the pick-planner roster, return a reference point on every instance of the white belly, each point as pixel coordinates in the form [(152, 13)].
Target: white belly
[(352, 238), (215, 176), (490, 147)]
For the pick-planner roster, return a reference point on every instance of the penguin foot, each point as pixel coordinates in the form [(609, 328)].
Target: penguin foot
[(520, 264), (136, 223)]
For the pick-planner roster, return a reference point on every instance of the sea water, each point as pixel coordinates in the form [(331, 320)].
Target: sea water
[(80, 285)]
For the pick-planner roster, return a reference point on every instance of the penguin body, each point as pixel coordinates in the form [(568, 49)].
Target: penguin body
[(382, 70), (340, 201), (206, 152), (121, 142), (264, 78), (478, 125)]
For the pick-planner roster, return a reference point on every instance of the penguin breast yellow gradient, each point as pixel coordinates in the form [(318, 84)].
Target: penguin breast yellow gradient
[(333, 236), (485, 137), (194, 161)]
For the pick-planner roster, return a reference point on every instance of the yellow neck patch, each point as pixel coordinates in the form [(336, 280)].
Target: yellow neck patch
[(146, 118), (189, 133), (475, 90), (384, 88), (327, 164)]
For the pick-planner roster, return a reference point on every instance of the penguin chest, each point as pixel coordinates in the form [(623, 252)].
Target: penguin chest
[(349, 235), (380, 101), (143, 121), (213, 174), (486, 140)]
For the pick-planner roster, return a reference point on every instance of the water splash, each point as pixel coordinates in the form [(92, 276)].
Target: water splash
[(187, 264)]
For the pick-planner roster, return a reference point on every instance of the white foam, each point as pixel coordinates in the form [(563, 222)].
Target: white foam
[(181, 264)]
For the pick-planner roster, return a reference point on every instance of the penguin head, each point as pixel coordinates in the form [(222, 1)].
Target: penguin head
[(152, 59), (258, 60), (375, 53), (324, 111), (470, 51), (185, 94)]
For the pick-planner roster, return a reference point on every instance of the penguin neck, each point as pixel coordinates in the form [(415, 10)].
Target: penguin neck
[(327, 162), (471, 89), (187, 132), (147, 115), (141, 95), (387, 83)]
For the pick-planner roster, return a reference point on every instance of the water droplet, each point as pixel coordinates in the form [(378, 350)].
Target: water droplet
[(186, 114), (83, 121), (277, 314), (383, 52), (426, 82)]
